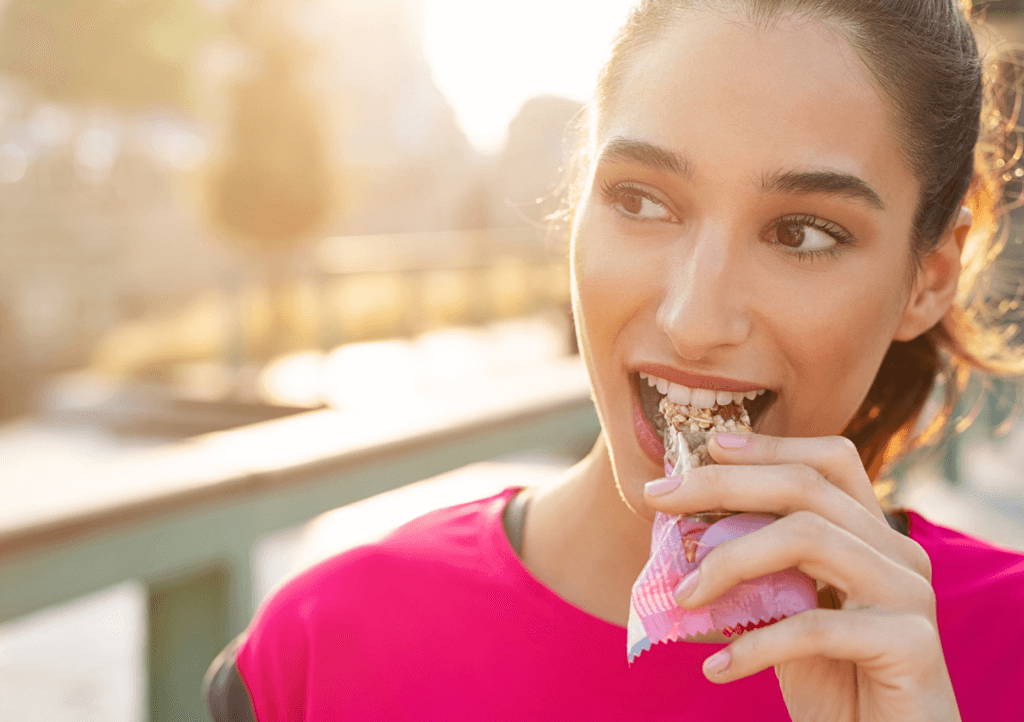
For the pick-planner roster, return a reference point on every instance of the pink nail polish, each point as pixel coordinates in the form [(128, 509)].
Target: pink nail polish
[(686, 587), (661, 486), (717, 663), (731, 441)]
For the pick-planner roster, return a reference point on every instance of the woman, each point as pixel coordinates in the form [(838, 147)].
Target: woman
[(776, 196)]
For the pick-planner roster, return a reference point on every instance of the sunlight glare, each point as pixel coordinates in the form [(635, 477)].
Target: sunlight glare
[(489, 58), (294, 380)]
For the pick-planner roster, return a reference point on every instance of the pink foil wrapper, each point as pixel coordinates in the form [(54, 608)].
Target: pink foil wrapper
[(654, 615)]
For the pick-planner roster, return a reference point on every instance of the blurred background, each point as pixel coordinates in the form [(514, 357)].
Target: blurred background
[(227, 226)]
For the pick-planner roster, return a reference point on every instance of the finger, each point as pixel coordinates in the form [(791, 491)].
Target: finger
[(834, 457), (784, 489), (885, 646), (862, 574)]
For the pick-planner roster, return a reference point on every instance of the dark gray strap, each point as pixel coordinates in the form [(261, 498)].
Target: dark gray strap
[(226, 695), (899, 521), (514, 518)]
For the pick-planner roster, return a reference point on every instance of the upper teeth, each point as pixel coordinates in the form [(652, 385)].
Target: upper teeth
[(701, 398)]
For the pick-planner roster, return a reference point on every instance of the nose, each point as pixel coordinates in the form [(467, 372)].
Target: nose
[(705, 306)]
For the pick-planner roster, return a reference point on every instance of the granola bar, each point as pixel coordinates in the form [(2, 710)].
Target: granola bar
[(685, 430), (678, 544)]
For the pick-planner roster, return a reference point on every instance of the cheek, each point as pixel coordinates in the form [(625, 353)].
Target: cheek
[(835, 344), (610, 283)]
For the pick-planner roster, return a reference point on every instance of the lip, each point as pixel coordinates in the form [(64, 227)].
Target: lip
[(648, 438), (696, 381)]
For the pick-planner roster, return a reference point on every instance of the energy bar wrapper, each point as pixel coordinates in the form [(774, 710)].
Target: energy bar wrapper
[(678, 544)]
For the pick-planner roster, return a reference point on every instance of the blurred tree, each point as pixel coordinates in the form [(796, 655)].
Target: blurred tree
[(129, 53), (274, 191)]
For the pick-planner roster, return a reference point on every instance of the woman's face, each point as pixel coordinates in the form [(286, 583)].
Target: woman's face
[(745, 225)]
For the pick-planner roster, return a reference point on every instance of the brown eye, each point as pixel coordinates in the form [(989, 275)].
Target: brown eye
[(632, 203), (635, 203), (806, 234), (790, 234)]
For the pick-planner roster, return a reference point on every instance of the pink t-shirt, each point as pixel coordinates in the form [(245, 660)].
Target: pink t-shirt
[(440, 620)]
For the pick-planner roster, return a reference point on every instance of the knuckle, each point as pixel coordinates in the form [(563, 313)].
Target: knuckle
[(919, 560), (846, 449), (917, 631), (804, 484), (810, 480), (709, 483), (795, 491), (712, 473), (711, 477), (920, 593), (700, 478), (817, 626), (806, 525), (848, 456)]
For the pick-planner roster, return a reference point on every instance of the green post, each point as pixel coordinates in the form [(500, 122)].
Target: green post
[(241, 591), (189, 623)]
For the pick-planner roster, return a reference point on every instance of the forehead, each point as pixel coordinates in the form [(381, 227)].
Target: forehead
[(729, 93)]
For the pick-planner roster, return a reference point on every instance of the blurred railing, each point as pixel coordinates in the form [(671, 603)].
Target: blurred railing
[(341, 290), (436, 279), (184, 518)]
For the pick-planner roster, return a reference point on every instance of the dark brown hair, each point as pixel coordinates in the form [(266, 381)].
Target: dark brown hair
[(959, 136)]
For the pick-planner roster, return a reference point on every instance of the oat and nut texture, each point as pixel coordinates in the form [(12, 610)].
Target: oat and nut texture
[(685, 430)]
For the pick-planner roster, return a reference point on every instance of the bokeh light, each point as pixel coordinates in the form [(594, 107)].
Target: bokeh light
[(488, 58)]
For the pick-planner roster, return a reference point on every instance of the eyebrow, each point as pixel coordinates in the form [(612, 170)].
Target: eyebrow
[(653, 156), (825, 182), (818, 182)]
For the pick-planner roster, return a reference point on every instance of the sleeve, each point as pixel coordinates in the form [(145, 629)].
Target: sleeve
[(273, 658), (316, 647), (227, 697)]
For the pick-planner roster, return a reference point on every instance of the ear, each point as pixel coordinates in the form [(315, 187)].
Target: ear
[(936, 282)]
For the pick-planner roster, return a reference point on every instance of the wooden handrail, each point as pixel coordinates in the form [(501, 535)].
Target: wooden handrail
[(262, 457)]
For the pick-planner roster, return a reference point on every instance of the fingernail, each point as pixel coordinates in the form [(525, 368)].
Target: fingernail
[(686, 587), (731, 441), (717, 663), (661, 486)]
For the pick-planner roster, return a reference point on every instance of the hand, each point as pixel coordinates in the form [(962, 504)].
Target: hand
[(877, 656)]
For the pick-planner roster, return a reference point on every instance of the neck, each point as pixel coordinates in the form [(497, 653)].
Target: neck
[(583, 542)]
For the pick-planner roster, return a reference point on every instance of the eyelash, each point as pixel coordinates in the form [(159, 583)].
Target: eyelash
[(613, 193), (839, 234)]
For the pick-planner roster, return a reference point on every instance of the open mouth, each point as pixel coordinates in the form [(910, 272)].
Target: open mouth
[(650, 390)]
